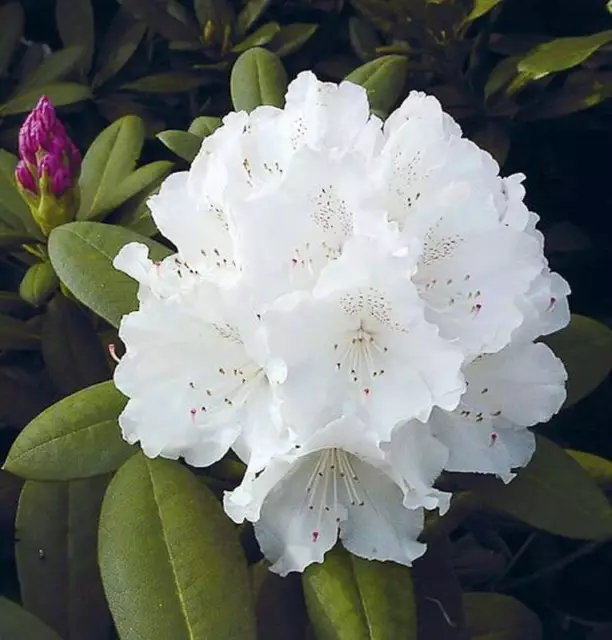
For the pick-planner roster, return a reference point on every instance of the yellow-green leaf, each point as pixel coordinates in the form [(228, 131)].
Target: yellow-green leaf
[(494, 616), (60, 94), (600, 469), (134, 183), (384, 80), (203, 126), (171, 561), (11, 19), (109, 160), (258, 38), (56, 556), (292, 37), (479, 9), (186, 145), (134, 213), (108, 292), (258, 78), (38, 283), (18, 624), (555, 494), (585, 347), (561, 54), (77, 437), (349, 598)]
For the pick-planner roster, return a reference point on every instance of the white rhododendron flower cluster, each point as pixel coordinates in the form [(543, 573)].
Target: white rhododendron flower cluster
[(352, 309)]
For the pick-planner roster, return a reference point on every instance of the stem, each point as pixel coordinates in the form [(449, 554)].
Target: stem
[(556, 566)]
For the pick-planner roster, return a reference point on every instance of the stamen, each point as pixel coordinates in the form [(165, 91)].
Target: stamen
[(113, 353)]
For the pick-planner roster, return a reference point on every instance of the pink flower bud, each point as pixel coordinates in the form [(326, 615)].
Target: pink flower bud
[(24, 177), (45, 149)]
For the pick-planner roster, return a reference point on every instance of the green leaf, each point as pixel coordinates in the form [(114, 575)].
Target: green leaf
[(218, 12), (258, 77), (134, 183), (555, 494), (493, 616), (71, 349), (364, 39), (14, 238), (156, 15), (17, 624), (12, 20), (167, 82), (13, 209), (60, 94), (479, 9), (204, 125), (585, 347), (38, 284), (582, 90), (171, 561), (292, 37), (56, 556), (186, 145), (120, 43), (598, 468), (501, 76), (108, 292), (10, 302), (384, 80), (75, 23), (134, 213), (56, 67), (15, 334), (258, 38), (109, 160), (281, 610), (560, 54), (252, 11), (78, 437), (355, 599)]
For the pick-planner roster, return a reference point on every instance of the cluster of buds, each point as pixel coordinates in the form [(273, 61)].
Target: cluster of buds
[(48, 169)]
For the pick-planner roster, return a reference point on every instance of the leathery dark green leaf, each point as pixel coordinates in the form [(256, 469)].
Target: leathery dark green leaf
[(57, 524), (108, 292), (77, 437), (349, 598), (171, 561)]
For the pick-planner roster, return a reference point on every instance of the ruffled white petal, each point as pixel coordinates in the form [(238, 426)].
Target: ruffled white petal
[(336, 485), (352, 307)]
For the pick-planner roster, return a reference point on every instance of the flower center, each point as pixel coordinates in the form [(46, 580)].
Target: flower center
[(333, 482), (359, 356)]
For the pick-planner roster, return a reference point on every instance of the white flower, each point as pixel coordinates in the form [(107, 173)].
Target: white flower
[(445, 191), (196, 369), (360, 342), (518, 387), (353, 307), (336, 485)]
